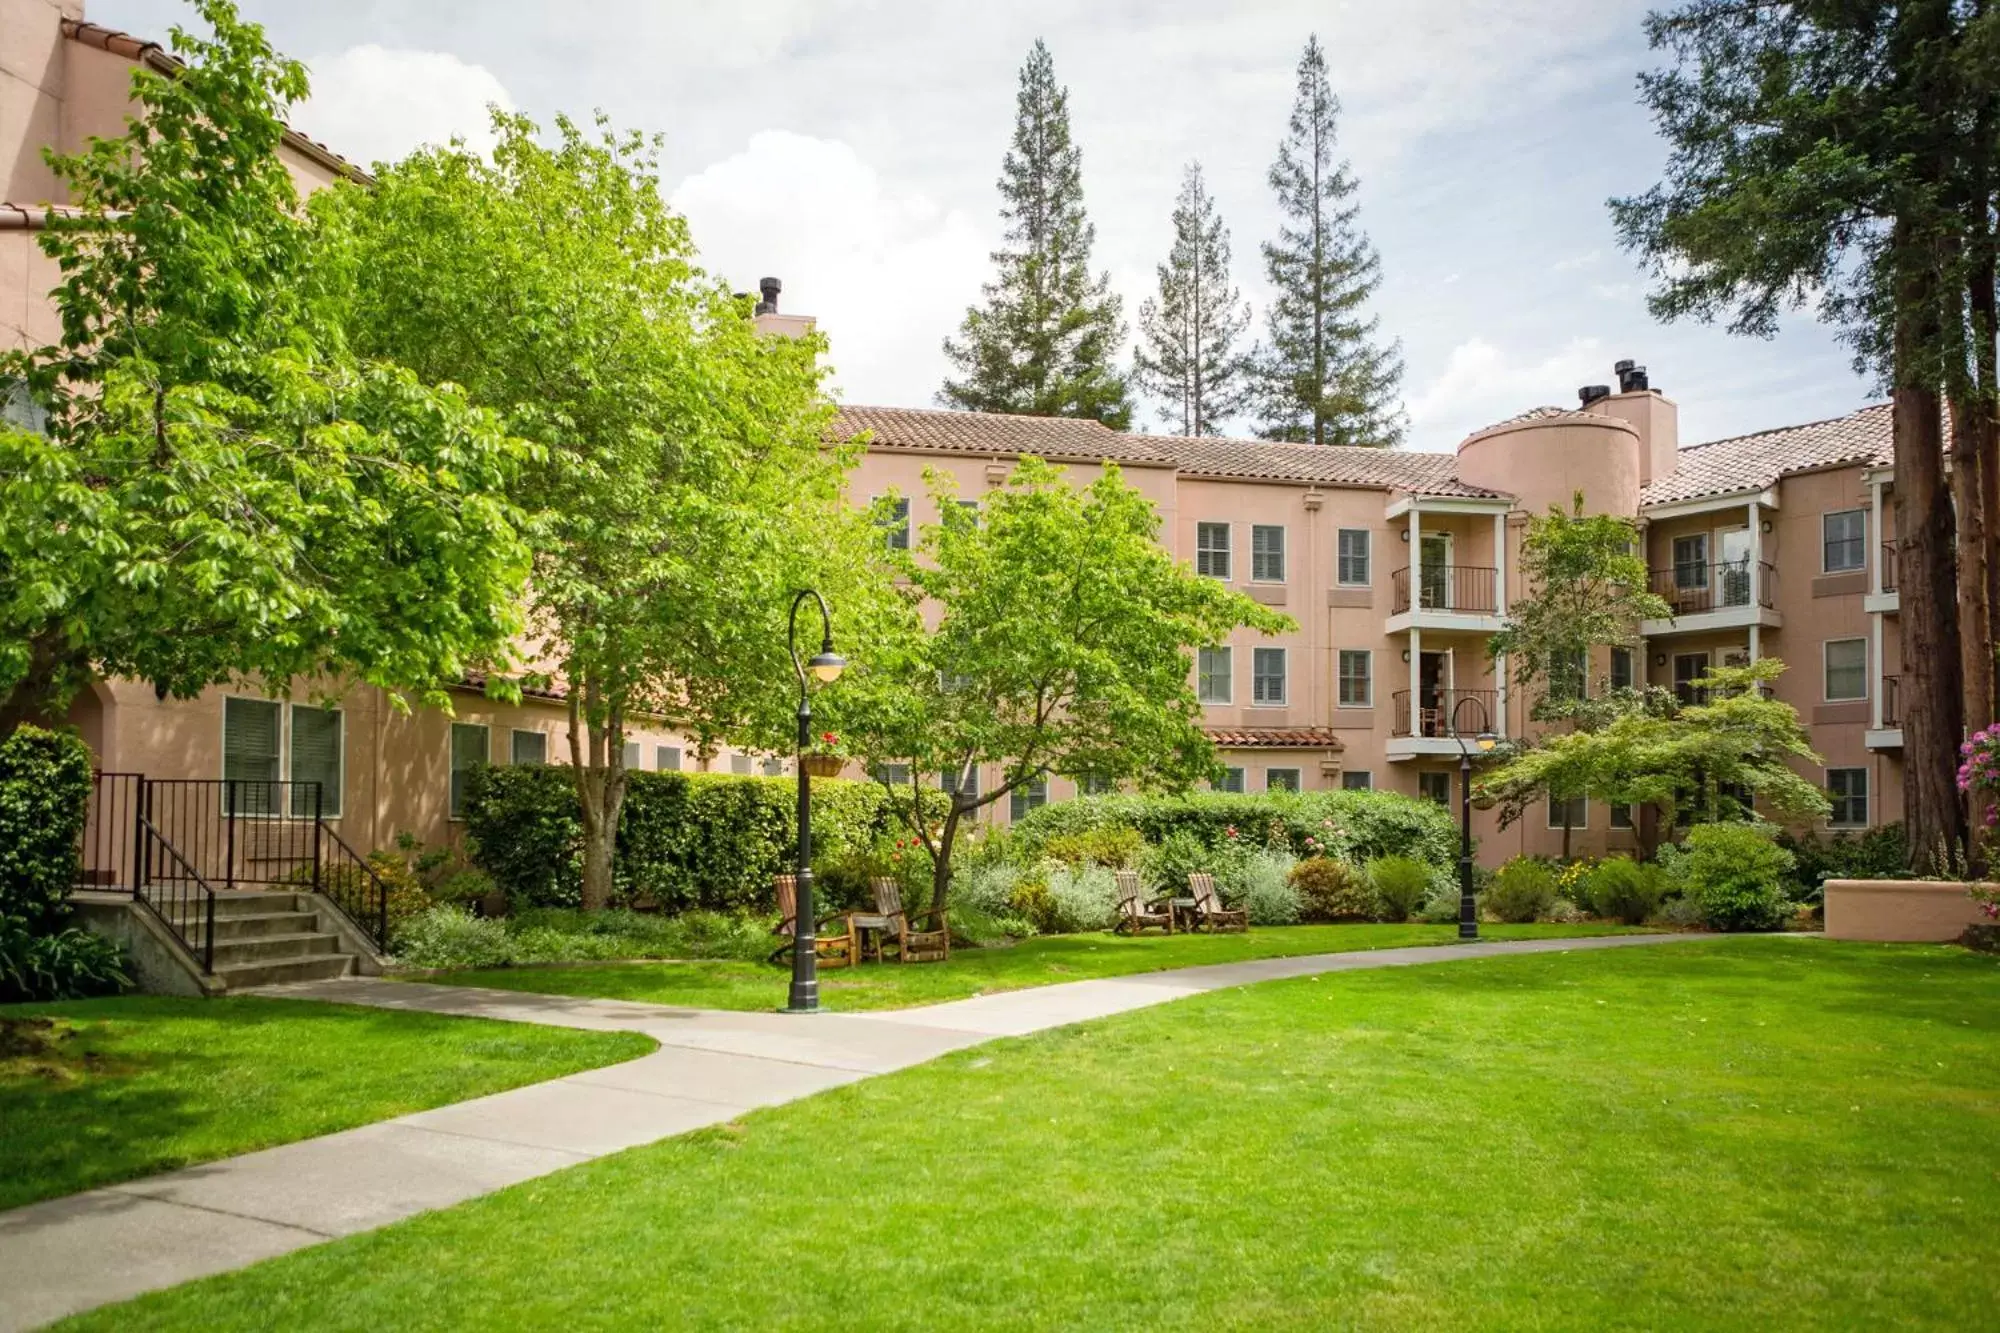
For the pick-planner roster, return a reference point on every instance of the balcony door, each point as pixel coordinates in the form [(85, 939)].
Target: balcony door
[(1433, 694), (1732, 572), (1434, 571)]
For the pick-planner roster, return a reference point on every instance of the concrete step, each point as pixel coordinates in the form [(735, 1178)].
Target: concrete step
[(318, 967), (273, 948), (256, 925)]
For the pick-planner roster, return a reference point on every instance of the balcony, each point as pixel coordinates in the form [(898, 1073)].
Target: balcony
[(1712, 595), (1427, 728), (1888, 601), (1461, 597), (1888, 736)]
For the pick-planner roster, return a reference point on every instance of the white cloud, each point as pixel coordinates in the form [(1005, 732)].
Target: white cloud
[(1575, 262), (885, 269), (375, 104), (1482, 384)]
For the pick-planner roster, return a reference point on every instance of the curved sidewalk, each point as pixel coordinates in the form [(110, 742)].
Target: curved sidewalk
[(72, 1254)]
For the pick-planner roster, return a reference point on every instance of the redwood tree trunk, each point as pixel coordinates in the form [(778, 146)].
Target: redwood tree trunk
[(1933, 706)]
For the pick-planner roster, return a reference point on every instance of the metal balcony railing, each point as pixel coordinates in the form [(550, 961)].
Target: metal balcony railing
[(1692, 587), (1891, 565), (1437, 711), (1892, 715), (1468, 588)]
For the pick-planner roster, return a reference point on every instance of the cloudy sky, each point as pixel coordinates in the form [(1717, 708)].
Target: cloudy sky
[(850, 147)]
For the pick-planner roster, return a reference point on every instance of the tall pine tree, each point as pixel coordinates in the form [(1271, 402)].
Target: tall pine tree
[(1187, 353), (1044, 340), (1323, 376)]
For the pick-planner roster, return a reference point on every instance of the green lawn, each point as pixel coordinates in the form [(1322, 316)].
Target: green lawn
[(146, 1083), (1750, 1133), (1036, 962)]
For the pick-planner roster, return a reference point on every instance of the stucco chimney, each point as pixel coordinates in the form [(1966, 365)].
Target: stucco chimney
[(1651, 413), (767, 319)]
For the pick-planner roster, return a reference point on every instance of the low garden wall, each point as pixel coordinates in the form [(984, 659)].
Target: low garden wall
[(1899, 909)]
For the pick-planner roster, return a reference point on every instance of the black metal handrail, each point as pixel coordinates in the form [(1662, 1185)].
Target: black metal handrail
[(108, 850), (181, 888), (1436, 710), (1694, 586), (346, 879), (1471, 588)]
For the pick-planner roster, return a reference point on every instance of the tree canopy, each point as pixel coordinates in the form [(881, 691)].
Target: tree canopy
[(1187, 354)]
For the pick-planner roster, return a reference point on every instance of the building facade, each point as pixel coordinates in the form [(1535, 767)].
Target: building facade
[(1397, 565)]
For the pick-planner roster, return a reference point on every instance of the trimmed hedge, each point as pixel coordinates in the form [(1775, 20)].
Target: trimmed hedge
[(1366, 825), (44, 803), (685, 840)]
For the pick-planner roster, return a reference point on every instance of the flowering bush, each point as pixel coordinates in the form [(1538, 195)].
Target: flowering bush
[(1980, 772)]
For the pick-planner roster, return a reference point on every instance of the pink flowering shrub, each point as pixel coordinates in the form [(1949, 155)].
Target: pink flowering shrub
[(1979, 771)]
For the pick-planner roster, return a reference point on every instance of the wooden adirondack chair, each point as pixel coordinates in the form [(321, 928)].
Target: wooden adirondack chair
[(835, 948), (1134, 918), (930, 945), (1208, 909)]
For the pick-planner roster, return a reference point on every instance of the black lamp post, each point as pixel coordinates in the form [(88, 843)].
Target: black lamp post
[(825, 665), (1484, 740)]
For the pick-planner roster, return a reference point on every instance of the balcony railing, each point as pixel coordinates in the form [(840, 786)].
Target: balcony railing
[(1468, 588), (1696, 586), (1892, 716), (1473, 711), (1891, 563)]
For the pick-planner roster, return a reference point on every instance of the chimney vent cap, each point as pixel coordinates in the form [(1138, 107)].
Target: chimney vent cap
[(769, 287), (1590, 393)]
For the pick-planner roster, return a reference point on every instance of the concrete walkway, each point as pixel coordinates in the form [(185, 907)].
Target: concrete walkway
[(67, 1255)]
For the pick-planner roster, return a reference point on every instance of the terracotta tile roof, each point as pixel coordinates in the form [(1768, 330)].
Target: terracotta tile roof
[(1752, 462), (997, 434), (35, 217), (476, 681), (1275, 738), (1545, 413), (1412, 470)]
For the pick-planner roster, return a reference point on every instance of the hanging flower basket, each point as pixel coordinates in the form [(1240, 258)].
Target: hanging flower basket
[(822, 765)]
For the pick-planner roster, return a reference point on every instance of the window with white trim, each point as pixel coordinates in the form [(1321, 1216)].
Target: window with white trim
[(949, 782), (1846, 669), (1357, 678), (739, 764), (1357, 779), (1435, 787), (1028, 796), (1352, 566), (1622, 674), (1267, 553), (18, 407), (528, 747), (471, 747), (1848, 790), (1281, 779), (1215, 675), (1267, 676), (1691, 561), (773, 767), (896, 523), (1688, 669), (1621, 816), (1573, 813), (1232, 780), (892, 775), (634, 756), (1211, 550), (316, 758), (667, 758), (252, 746), (1843, 541)]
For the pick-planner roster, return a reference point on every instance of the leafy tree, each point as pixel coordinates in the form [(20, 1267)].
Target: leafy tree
[(1652, 751), (216, 489), (682, 486), (1044, 341), (1841, 156), (1323, 376), (1051, 633), (1587, 588), (1187, 354)]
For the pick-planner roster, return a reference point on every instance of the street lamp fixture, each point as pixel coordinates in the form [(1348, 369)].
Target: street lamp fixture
[(824, 668), (1483, 740)]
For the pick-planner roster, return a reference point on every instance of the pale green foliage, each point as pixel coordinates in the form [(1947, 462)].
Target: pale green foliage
[(1399, 884), (1734, 872), (1656, 752), (1043, 342), (1187, 354), (1265, 890), (1057, 636), (223, 490), (1322, 375), (1523, 890), (1081, 898)]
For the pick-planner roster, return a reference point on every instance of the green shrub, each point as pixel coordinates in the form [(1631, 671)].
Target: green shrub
[(1399, 885), (1877, 853), (1735, 873), (1331, 890), (448, 936), (1356, 825), (1168, 864), (1081, 899), (1032, 903), (1440, 906), (685, 840), (1114, 845), (1523, 890), (1266, 890), (451, 937), (1621, 889), (44, 803), (66, 964)]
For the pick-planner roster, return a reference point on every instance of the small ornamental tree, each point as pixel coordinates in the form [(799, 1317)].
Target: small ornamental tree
[(211, 486), (1050, 633)]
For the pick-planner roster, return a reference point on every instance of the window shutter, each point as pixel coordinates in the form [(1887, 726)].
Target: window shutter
[(315, 758), (250, 753)]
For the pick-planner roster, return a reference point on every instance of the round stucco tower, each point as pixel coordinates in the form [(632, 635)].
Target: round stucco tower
[(1546, 456)]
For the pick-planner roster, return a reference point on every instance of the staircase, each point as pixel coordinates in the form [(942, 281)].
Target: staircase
[(265, 938)]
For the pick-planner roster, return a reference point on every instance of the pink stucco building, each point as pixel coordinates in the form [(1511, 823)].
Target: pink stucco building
[(1397, 565)]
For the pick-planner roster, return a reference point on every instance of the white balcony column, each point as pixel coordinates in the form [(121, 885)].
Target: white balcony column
[(1500, 564), (1756, 570), (1416, 718), (1416, 570), (1875, 545), (1875, 664)]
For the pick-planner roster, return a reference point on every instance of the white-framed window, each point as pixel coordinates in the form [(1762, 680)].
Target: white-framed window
[(471, 747), (1569, 673), (1281, 779), (1267, 553), (1435, 787), (1215, 675), (18, 407), (893, 775), (1096, 784), (265, 742), (1689, 668), (1211, 550), (667, 758), (773, 767), (1621, 816), (1576, 808), (527, 747), (1357, 779), (1352, 563), (252, 752), (1357, 678), (1691, 562), (1848, 790), (739, 764), (970, 508), (1267, 676), (1622, 675), (1232, 780), (1843, 543), (1846, 669), (316, 757), (1028, 796), (896, 523), (634, 756), (948, 781)]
